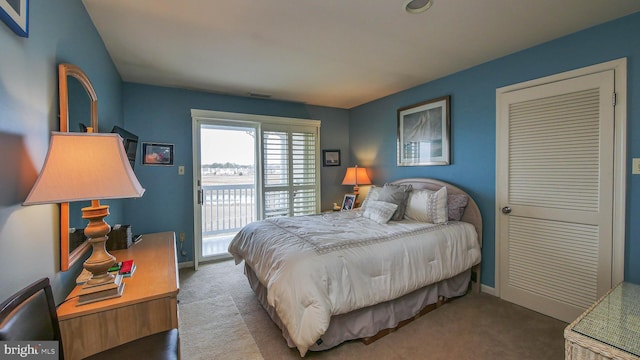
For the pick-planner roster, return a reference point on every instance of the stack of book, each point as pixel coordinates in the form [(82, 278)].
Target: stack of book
[(127, 268)]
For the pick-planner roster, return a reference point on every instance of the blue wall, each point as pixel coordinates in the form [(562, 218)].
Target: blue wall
[(59, 31), (158, 114), (473, 125)]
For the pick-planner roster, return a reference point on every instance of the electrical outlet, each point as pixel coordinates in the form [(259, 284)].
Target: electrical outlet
[(181, 170), (182, 236), (636, 166)]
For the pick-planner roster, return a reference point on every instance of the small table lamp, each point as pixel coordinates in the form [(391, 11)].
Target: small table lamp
[(89, 166), (356, 176)]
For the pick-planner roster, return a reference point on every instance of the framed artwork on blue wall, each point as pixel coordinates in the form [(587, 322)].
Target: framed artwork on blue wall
[(330, 157), (423, 133), (157, 154), (15, 13)]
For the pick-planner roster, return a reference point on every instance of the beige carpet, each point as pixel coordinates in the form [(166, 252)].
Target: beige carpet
[(214, 329), (476, 326)]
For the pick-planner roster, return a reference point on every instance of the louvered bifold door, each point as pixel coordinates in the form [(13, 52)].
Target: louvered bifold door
[(291, 170), (555, 186)]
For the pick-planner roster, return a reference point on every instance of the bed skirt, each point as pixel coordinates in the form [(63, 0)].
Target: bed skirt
[(369, 321)]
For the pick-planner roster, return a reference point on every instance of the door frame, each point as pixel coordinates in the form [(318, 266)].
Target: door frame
[(197, 210), (619, 167), (209, 116)]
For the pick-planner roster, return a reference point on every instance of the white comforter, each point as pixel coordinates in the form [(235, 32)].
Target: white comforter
[(317, 266)]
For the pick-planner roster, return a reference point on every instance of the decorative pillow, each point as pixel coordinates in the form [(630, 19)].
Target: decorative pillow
[(372, 195), (396, 194), (379, 211), (457, 203), (428, 206)]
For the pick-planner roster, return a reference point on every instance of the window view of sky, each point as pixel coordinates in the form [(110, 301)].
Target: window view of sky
[(223, 145)]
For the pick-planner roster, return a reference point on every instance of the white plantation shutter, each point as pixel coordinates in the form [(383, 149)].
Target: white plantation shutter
[(305, 176), (291, 170)]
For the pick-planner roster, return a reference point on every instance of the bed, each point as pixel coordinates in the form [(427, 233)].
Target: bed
[(328, 278)]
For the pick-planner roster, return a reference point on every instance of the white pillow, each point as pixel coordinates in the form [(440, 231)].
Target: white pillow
[(379, 211), (427, 206)]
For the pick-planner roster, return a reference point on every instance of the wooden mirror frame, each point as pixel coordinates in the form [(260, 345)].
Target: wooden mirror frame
[(69, 257)]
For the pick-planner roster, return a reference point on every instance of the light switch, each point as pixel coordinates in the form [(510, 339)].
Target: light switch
[(636, 166), (180, 170)]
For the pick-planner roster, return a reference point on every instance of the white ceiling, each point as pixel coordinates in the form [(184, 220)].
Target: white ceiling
[(338, 53)]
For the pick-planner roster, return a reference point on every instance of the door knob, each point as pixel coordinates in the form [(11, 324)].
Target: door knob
[(506, 210)]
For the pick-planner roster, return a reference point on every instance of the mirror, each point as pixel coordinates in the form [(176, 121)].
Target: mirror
[(78, 110)]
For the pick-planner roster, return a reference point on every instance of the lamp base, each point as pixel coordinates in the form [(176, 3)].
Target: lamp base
[(102, 284), (92, 293)]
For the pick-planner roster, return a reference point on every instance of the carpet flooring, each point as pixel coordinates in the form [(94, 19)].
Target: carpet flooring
[(205, 329), (476, 326)]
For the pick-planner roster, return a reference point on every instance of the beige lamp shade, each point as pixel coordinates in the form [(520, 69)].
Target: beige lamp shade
[(356, 176), (84, 166)]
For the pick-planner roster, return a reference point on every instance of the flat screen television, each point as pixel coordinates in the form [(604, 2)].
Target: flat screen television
[(130, 142)]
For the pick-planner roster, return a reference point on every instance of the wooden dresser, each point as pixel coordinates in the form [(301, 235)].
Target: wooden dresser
[(610, 329), (148, 304)]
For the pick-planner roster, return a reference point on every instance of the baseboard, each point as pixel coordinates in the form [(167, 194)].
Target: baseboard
[(488, 290), (186, 264)]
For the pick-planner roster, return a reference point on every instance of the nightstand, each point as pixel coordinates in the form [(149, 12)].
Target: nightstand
[(147, 306), (610, 329)]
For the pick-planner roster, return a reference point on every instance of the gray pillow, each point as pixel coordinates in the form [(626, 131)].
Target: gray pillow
[(396, 194), (371, 196), (457, 203)]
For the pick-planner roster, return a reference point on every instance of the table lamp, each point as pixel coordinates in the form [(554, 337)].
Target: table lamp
[(89, 166), (356, 176)]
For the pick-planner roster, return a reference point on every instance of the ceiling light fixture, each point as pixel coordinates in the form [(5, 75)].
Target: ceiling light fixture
[(417, 6), (259, 95)]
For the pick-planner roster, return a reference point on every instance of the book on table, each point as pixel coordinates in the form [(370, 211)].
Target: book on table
[(128, 268)]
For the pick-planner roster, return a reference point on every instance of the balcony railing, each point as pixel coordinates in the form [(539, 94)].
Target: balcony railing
[(227, 208)]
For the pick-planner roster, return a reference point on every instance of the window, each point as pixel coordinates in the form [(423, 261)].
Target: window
[(288, 166), (290, 177)]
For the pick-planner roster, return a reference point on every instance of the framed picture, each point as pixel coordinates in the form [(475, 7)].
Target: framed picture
[(348, 202), (423, 133), (330, 157), (15, 13), (157, 154)]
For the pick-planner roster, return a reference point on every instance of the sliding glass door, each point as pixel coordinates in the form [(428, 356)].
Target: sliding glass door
[(248, 168), (228, 189)]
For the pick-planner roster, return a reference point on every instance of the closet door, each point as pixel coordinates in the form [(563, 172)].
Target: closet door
[(555, 163)]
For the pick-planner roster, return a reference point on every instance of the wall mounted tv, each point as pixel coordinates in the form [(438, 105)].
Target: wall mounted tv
[(130, 142)]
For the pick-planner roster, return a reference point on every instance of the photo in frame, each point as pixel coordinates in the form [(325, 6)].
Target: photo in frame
[(15, 13), (157, 154), (330, 157), (349, 202), (424, 133)]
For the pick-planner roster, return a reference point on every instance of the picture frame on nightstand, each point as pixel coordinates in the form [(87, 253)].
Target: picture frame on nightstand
[(349, 202)]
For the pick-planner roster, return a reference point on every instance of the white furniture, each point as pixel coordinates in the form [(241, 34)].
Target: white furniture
[(148, 304), (610, 329)]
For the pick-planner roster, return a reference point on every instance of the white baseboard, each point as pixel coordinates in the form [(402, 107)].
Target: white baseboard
[(186, 264), (488, 289)]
